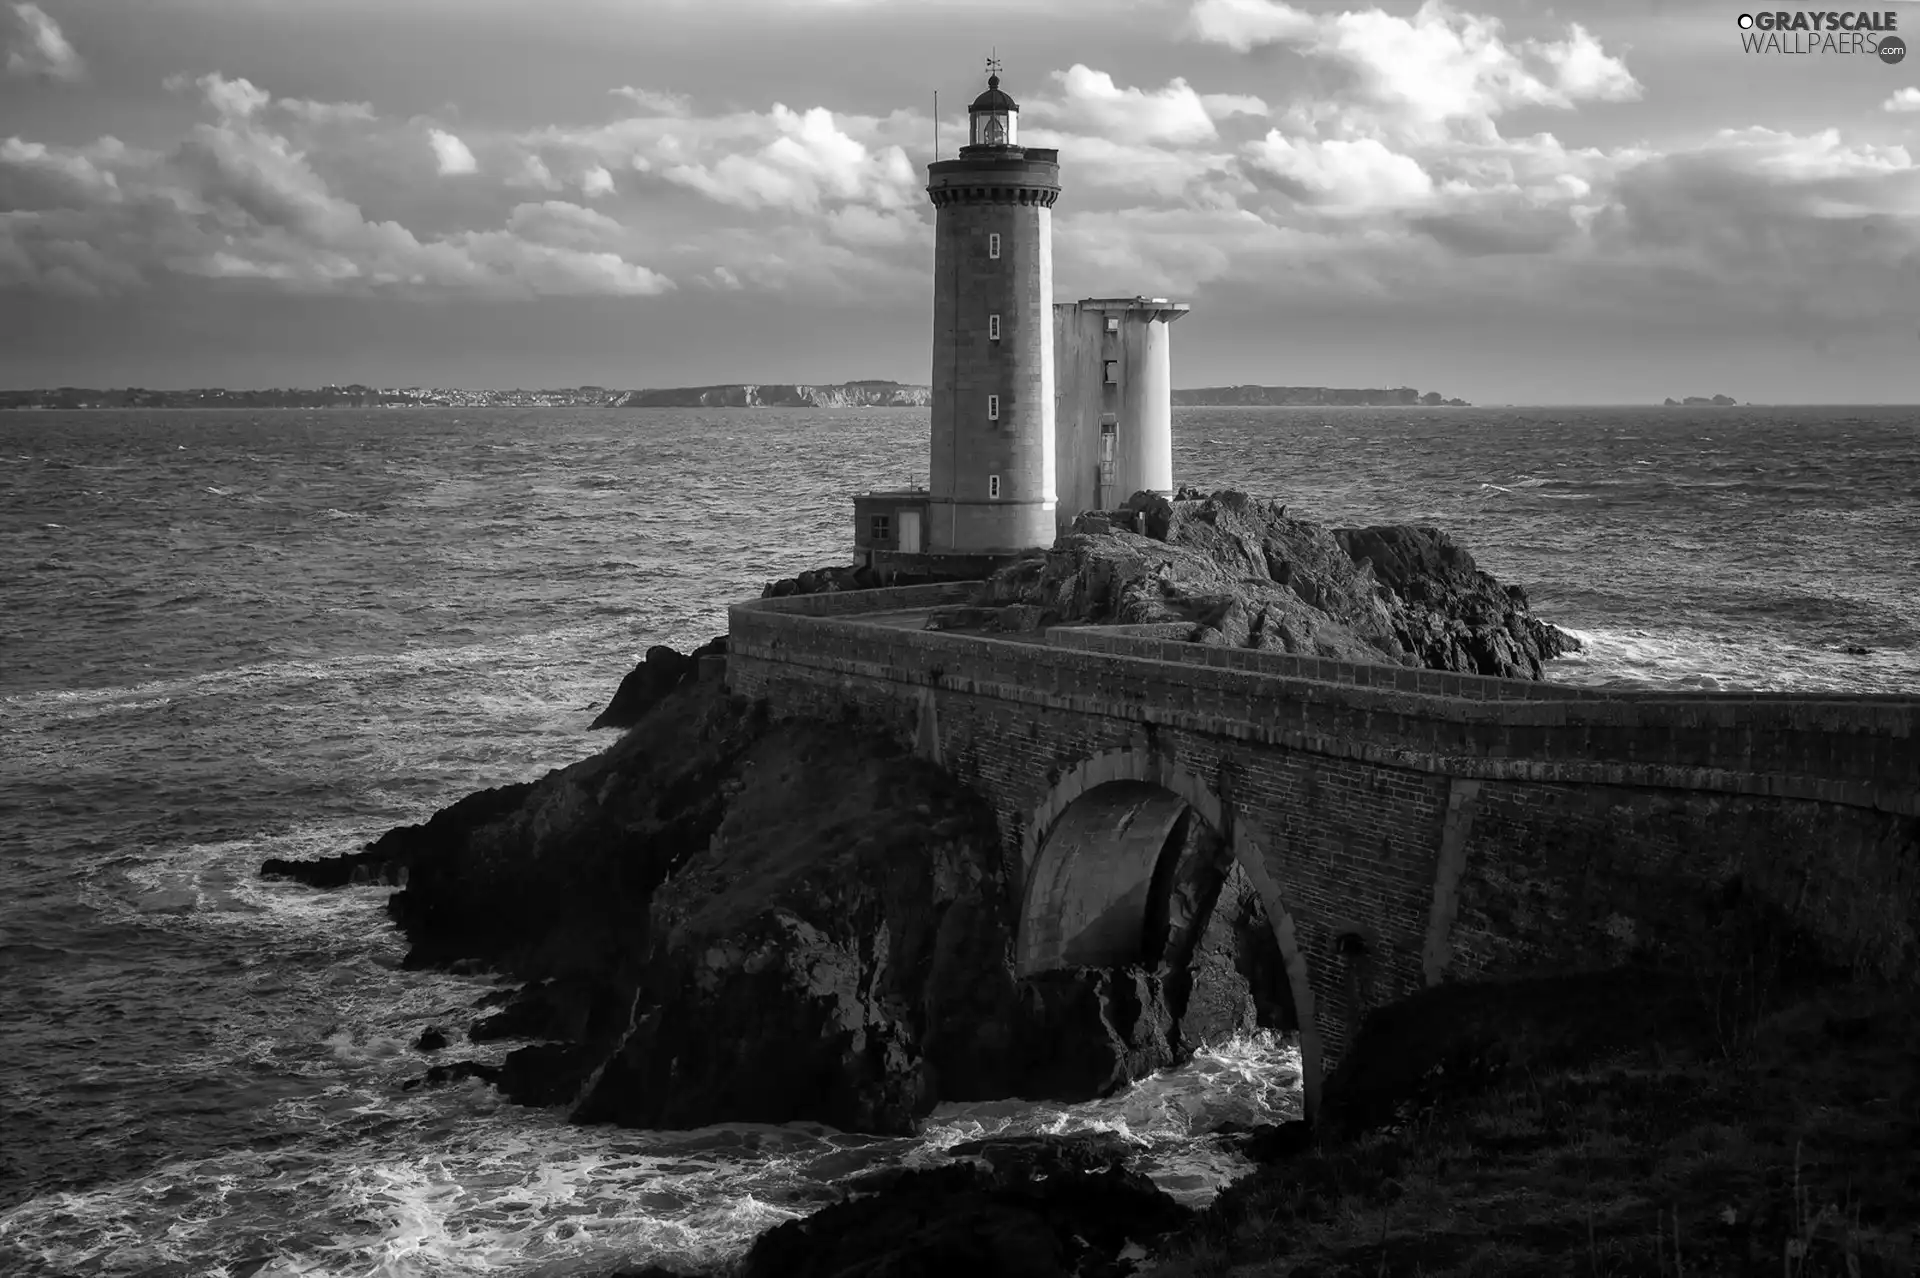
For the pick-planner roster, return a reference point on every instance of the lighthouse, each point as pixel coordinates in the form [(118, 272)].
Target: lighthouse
[(1039, 410), (990, 467)]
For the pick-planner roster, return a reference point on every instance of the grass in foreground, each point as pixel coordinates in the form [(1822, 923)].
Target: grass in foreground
[(1792, 1149)]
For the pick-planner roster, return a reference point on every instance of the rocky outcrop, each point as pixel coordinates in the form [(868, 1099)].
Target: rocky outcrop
[(720, 918), (818, 581), (1226, 569), (837, 952), (1450, 614), (660, 672), (1038, 1207), (550, 881)]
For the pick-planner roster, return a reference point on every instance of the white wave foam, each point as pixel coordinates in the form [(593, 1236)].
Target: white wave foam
[(1248, 1080), (452, 1182), (1686, 661)]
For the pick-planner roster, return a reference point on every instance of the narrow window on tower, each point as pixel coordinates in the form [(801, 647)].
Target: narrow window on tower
[(993, 244), (1112, 371), (993, 408), (993, 487), (993, 328), (1113, 323)]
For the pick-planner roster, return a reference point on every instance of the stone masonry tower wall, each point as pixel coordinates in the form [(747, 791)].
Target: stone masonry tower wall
[(991, 465), (1113, 416)]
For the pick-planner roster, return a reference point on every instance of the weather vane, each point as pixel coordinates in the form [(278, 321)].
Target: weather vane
[(993, 63)]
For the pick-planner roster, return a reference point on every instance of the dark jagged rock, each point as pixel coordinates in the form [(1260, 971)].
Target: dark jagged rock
[(1224, 569), (457, 1071), (663, 670), (839, 951), (548, 1009), (388, 859), (1453, 616), (1269, 1142), (432, 1039), (547, 1074), (1040, 1207), (819, 581), (719, 918), (549, 881)]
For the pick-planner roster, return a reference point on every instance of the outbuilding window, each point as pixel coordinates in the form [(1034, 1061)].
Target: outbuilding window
[(993, 408), (993, 328), (880, 528), (993, 487), (993, 244)]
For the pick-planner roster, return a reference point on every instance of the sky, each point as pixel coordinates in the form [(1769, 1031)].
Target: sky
[(1594, 201)]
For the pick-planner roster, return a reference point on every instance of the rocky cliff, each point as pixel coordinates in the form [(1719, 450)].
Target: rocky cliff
[(1226, 569), (720, 918)]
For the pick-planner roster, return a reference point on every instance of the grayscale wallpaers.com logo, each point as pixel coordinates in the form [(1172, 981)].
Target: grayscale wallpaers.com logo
[(1804, 31)]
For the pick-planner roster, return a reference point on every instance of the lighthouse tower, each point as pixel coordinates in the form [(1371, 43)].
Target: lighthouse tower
[(990, 475)]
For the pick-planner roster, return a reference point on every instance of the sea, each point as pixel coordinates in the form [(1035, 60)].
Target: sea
[(227, 636)]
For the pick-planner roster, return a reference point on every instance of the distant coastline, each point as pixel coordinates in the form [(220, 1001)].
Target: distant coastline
[(856, 394), (1396, 397), (1694, 401)]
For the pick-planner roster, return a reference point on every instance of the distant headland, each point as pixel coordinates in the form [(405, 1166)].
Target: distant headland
[(855, 394), (1718, 401)]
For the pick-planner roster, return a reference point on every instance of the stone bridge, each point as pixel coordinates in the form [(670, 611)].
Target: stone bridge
[(1403, 827)]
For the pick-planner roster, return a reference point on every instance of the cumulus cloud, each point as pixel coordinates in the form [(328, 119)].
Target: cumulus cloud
[(534, 172), (1907, 99), (1091, 102), (1356, 177), (451, 153), (561, 224), (1377, 169), (39, 49), (1424, 75), (809, 163), (236, 199), (238, 98), (596, 181), (34, 175)]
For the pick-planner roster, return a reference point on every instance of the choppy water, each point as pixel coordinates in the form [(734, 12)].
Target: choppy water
[(230, 636)]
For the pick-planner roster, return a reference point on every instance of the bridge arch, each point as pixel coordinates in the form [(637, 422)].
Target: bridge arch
[(1090, 851)]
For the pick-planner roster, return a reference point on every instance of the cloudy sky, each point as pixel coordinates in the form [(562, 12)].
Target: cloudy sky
[(1510, 201)]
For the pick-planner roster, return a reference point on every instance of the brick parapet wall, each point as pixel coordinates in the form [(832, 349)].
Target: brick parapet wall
[(1857, 752), (840, 603)]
